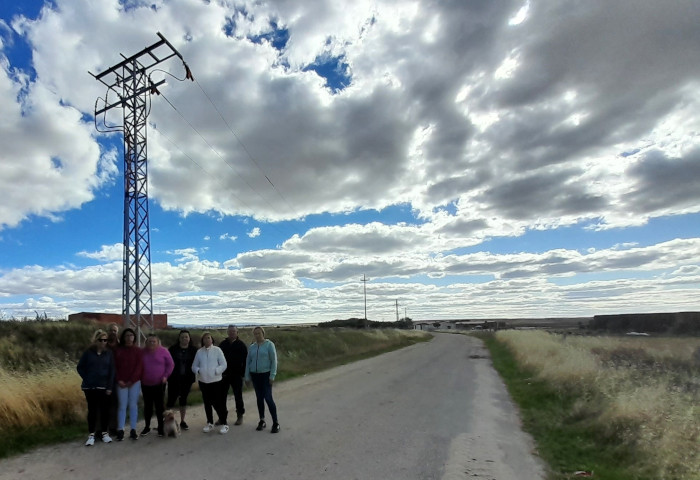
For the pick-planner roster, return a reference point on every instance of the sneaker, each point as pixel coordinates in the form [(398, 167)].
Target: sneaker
[(261, 425), (208, 428), (161, 432), (224, 429), (239, 420), (90, 441), (120, 435), (133, 435), (275, 428), (145, 431), (106, 438), (184, 426)]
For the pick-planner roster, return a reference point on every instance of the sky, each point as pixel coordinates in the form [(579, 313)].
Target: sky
[(470, 159)]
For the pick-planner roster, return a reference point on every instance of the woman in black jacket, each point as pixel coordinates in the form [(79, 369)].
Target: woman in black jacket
[(181, 380), (96, 368)]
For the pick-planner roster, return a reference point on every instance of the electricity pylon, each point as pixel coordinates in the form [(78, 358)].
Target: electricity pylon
[(130, 81)]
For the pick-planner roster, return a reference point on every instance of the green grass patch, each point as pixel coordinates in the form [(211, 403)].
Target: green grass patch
[(568, 442), (14, 441)]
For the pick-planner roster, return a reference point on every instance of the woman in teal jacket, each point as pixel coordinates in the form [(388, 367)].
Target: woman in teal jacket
[(261, 368)]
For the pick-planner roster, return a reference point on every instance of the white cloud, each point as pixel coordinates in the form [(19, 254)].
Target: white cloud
[(487, 121), (226, 236), (271, 288), (498, 142), (108, 253)]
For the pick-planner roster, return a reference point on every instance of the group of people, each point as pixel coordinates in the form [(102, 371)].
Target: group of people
[(116, 371)]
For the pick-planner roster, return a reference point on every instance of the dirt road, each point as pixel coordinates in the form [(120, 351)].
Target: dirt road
[(429, 411)]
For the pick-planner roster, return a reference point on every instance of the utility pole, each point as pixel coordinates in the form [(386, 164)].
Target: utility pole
[(130, 81), (364, 281), (397, 310)]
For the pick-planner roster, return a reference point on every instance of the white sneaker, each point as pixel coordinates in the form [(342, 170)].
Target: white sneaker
[(106, 438), (90, 441), (224, 429), (208, 428)]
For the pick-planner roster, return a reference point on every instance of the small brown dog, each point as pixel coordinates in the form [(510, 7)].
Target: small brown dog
[(170, 425)]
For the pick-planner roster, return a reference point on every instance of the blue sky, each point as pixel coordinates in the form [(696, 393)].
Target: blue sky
[(503, 160)]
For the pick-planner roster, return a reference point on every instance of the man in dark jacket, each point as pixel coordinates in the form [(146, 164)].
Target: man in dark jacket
[(235, 352)]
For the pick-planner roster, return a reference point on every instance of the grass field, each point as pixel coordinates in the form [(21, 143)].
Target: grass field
[(624, 408), (40, 397)]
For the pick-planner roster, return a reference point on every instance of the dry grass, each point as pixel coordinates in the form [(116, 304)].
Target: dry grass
[(50, 397), (644, 392)]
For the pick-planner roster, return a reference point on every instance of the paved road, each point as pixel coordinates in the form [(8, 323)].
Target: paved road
[(429, 411)]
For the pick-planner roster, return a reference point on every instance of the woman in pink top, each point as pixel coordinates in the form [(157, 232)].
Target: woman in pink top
[(157, 367)]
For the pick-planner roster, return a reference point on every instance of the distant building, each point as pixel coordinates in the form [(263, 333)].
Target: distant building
[(160, 320)]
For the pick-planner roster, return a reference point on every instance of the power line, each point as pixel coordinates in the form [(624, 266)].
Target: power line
[(188, 75), (245, 148), (213, 177), (216, 152)]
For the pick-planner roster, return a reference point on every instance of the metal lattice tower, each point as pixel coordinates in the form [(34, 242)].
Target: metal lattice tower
[(129, 80)]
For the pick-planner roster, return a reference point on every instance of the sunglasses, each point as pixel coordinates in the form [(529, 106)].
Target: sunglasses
[(102, 340)]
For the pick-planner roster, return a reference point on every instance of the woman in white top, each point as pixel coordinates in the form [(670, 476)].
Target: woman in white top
[(209, 364)]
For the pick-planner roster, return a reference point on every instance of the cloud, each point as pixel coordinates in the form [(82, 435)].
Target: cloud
[(406, 129), (271, 287), (484, 120), (108, 253)]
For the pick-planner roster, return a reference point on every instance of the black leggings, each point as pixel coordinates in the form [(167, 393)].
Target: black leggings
[(153, 395), (213, 395), (98, 406)]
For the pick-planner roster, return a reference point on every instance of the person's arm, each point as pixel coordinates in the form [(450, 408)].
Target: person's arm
[(82, 365), (246, 374), (169, 364), (221, 360), (112, 373), (196, 362), (139, 365), (244, 350), (273, 362)]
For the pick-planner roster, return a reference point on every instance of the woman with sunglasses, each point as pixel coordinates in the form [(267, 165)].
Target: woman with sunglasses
[(96, 368)]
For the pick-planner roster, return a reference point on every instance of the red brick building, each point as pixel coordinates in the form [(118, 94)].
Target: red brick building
[(160, 320)]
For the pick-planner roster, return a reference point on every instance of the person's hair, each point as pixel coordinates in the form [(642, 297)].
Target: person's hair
[(180, 334), (204, 335), (259, 328), (231, 325), (124, 332), (113, 324), (98, 334)]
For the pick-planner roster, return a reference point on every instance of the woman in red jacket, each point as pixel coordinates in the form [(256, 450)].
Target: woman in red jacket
[(129, 363)]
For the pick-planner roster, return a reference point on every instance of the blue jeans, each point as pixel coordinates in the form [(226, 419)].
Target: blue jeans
[(128, 396), (263, 394)]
